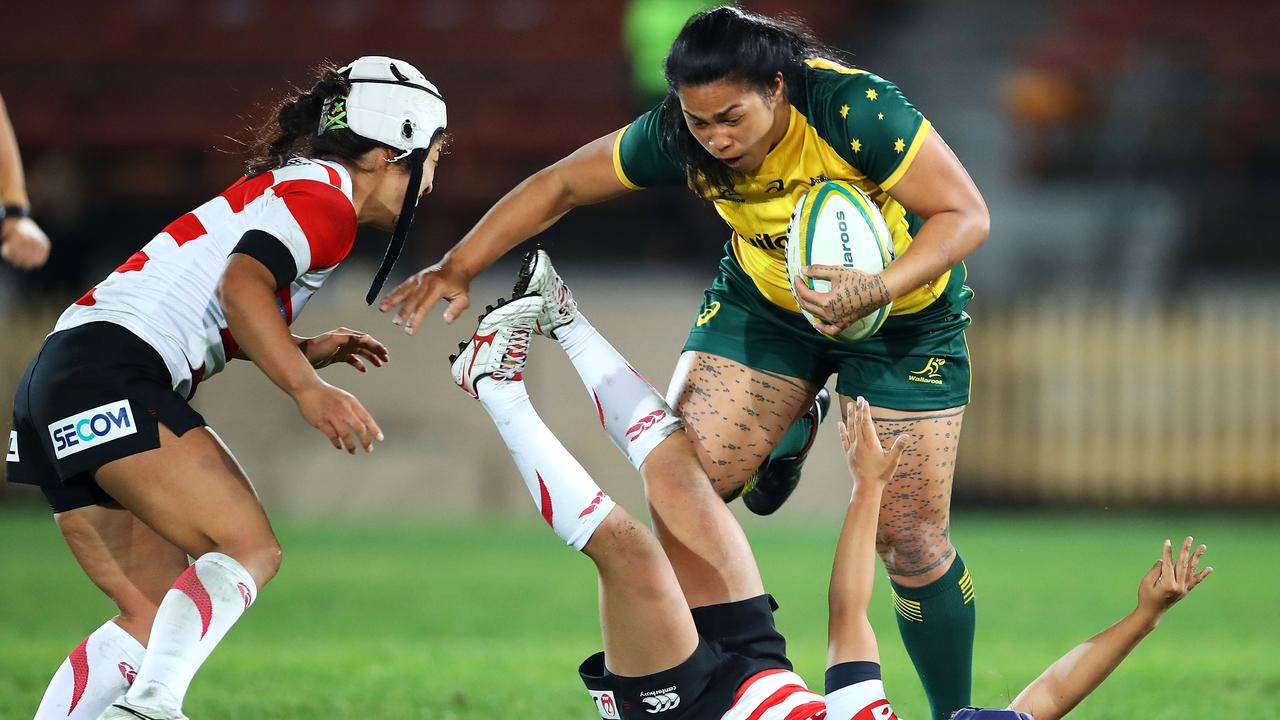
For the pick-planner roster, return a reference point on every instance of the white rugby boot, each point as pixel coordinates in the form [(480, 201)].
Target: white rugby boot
[(123, 710), (499, 347), (538, 277)]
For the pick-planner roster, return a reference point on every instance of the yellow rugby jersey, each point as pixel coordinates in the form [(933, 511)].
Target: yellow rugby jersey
[(846, 124)]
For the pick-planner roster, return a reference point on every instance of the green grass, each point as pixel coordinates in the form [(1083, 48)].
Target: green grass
[(449, 620)]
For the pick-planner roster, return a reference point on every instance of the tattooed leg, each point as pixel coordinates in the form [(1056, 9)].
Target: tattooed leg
[(932, 590), (734, 414)]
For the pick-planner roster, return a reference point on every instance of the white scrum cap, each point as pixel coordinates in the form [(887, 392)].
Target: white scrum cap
[(391, 102)]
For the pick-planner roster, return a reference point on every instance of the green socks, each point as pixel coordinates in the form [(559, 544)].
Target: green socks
[(937, 624)]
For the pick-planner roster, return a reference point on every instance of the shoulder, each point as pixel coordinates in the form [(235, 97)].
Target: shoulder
[(642, 153)]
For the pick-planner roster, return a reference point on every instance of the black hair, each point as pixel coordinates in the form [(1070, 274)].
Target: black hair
[(293, 132), (729, 43)]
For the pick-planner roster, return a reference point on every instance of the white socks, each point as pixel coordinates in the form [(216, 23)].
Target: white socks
[(632, 412), (93, 676), (203, 604), (569, 500)]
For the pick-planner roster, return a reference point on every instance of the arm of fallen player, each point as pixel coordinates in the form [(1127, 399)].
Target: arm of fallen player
[(1078, 673)]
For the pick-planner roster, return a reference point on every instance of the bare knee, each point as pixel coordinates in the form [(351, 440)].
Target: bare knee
[(623, 545), (260, 556), (673, 471), (914, 552)]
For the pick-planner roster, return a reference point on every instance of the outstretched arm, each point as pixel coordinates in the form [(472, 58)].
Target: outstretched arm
[(1078, 673), (850, 637), (22, 243), (583, 178)]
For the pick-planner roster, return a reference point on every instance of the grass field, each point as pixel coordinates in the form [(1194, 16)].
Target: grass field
[(448, 620)]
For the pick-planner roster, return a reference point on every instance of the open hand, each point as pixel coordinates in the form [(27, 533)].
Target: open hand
[(344, 346), (868, 461), (1168, 581), (339, 415), (415, 297)]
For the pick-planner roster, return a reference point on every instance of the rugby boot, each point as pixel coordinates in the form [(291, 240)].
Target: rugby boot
[(538, 277), (499, 348), (777, 477), (122, 710)]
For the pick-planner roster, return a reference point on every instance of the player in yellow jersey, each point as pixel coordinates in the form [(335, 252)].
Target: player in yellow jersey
[(758, 113)]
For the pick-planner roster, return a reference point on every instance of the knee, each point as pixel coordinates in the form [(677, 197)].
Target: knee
[(260, 557), (673, 470), (623, 544), (912, 545)]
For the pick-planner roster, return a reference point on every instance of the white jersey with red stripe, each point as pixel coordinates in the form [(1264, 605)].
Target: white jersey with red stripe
[(166, 293), (776, 695), (861, 701)]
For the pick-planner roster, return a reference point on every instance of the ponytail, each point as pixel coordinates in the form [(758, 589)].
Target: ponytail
[(296, 130)]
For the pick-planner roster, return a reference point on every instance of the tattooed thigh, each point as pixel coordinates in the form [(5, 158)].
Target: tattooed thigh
[(914, 537), (734, 414)]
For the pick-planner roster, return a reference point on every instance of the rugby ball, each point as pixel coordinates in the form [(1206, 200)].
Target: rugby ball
[(837, 224)]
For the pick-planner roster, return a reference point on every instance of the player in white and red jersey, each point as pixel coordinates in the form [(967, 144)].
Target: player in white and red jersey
[(136, 480), (688, 629)]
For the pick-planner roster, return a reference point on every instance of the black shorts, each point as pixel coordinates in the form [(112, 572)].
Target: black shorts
[(736, 640), (93, 394)]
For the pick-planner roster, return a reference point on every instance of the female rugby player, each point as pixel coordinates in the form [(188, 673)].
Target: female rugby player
[(689, 638), (757, 114), (136, 480)]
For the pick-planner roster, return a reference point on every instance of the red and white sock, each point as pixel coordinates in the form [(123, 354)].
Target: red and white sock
[(205, 601), (633, 413), (97, 672), (569, 500)]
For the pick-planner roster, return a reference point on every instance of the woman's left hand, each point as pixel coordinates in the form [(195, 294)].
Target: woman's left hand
[(853, 295), (344, 346)]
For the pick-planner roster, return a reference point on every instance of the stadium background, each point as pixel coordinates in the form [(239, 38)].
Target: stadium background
[(1125, 333)]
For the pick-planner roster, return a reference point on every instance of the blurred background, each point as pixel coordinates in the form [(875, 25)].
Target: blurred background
[(1126, 333)]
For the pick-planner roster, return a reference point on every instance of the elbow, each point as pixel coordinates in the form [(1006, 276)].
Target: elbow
[(979, 226)]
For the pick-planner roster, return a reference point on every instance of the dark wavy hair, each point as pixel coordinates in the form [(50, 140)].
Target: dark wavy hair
[(292, 131), (729, 43)]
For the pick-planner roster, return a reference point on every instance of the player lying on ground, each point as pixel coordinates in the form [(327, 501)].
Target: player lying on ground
[(688, 630), (136, 480), (853, 656)]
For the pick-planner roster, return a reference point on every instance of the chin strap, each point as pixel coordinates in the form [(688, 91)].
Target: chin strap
[(417, 159)]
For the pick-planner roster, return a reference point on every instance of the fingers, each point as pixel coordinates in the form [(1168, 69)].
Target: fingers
[(456, 307), (332, 433), (845, 441), (1166, 556), (1184, 559), (867, 426), (354, 362), (806, 297), (899, 445), (401, 293)]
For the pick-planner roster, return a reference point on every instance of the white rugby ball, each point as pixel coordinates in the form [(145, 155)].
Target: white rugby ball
[(835, 223)]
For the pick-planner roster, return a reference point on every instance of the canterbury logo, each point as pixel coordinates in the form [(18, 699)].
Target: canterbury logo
[(127, 672), (635, 431), (933, 368), (245, 594), (592, 507), (661, 703), (708, 312)]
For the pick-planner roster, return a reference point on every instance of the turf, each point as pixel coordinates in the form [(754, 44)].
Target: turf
[(449, 620)]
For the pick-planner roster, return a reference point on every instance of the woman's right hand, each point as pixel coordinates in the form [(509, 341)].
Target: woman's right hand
[(339, 415), (415, 297)]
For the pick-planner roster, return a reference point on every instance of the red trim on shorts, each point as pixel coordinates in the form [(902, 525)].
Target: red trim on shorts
[(776, 698), (816, 710), (229, 345)]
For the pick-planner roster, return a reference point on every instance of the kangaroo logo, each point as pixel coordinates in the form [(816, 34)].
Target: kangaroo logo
[(661, 702), (708, 312), (932, 369)]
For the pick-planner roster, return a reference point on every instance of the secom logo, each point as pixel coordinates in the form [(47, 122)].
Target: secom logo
[(91, 428)]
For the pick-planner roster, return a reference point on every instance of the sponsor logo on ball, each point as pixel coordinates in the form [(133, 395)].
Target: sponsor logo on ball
[(92, 428)]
